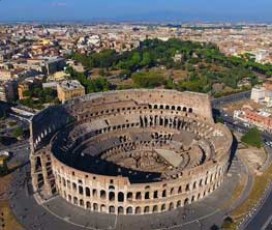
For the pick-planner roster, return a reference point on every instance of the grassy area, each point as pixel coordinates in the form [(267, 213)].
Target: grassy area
[(253, 138), (260, 184)]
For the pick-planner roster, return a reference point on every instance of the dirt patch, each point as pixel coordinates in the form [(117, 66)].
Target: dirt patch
[(253, 157), (8, 220)]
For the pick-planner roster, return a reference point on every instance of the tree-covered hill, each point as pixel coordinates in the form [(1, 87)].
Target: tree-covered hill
[(203, 63)]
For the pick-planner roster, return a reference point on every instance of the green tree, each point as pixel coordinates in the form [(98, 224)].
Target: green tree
[(253, 138), (18, 132)]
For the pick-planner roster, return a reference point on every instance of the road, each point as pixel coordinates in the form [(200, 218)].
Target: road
[(262, 217)]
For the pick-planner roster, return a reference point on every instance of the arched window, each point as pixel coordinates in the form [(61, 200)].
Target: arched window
[(102, 194), (155, 209), (138, 210), (164, 193), (147, 195), (171, 206), (146, 209), (87, 191), (80, 189), (129, 210), (120, 210), (112, 196), (129, 196), (88, 205), (138, 196), (120, 197), (111, 209)]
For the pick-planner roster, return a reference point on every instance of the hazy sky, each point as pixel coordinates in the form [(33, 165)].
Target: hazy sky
[(186, 10)]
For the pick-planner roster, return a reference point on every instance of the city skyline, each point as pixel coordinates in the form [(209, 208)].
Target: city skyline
[(121, 10)]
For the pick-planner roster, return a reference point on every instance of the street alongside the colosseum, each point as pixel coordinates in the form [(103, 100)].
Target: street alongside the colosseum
[(58, 214)]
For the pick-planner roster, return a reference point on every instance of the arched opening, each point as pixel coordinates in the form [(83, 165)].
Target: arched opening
[(120, 210), (164, 193), (190, 110), (38, 164), (74, 186), (88, 205), (111, 196), (129, 210), (120, 197), (146, 209), (163, 207), (184, 109), (81, 202), (138, 210), (80, 189), (179, 189), (172, 191), (171, 206), (95, 207), (87, 191), (103, 208), (155, 209), (173, 107), (193, 199), (147, 196), (75, 200), (187, 188), (103, 194), (155, 195), (179, 204), (179, 108), (186, 201), (129, 196), (138, 196), (111, 209)]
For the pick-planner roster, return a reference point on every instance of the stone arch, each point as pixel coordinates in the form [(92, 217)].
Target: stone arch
[(155, 209), (187, 187), (102, 208), (111, 196), (193, 199), (95, 207), (129, 196), (120, 210), (74, 186), (179, 189), (164, 193), (146, 209), (163, 207), (179, 203), (81, 202), (120, 197), (155, 194), (129, 210), (87, 192), (147, 196), (171, 206), (80, 190), (38, 163), (138, 210), (111, 209), (88, 205), (75, 200), (186, 201), (190, 110), (103, 194), (138, 196)]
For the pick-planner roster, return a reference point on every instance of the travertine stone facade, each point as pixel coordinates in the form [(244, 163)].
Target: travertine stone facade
[(129, 152)]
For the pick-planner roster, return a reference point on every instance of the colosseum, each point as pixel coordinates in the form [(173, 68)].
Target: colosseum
[(131, 152)]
